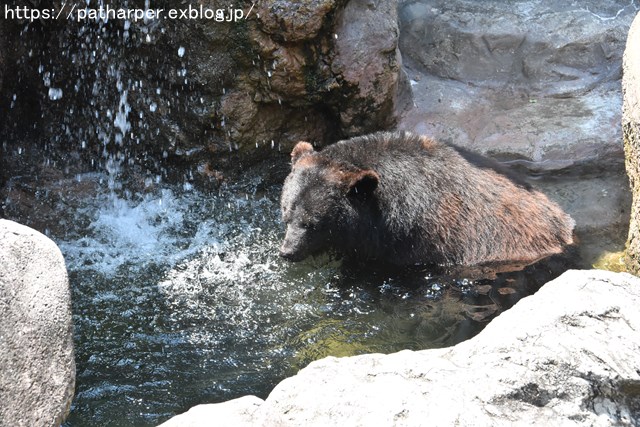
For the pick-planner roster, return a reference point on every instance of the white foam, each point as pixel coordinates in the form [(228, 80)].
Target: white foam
[(124, 232)]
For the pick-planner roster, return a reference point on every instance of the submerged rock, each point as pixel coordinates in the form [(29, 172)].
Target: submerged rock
[(566, 355), (36, 332)]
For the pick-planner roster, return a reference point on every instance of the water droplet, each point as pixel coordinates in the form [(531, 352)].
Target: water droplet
[(55, 93)]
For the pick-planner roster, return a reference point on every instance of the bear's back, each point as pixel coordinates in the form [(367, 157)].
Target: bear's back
[(371, 151), (392, 152)]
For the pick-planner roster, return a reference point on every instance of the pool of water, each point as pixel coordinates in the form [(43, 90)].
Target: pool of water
[(180, 298)]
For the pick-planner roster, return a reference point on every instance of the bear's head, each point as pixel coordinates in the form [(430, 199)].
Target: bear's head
[(322, 202)]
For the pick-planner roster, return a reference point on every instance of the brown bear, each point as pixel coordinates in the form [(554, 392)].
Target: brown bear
[(404, 199)]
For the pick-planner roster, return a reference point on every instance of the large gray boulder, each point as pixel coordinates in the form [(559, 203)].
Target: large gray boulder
[(37, 377), (537, 82), (567, 355)]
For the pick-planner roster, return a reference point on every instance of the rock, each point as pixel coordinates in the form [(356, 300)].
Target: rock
[(38, 369), (600, 203), (292, 21), (566, 355), (367, 65), (631, 132), (543, 47), (234, 413), (531, 82), (321, 71)]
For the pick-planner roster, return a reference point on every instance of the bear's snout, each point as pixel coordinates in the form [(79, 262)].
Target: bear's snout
[(288, 254), (294, 244)]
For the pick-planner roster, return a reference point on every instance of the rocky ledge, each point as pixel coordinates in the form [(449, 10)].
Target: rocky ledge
[(564, 356)]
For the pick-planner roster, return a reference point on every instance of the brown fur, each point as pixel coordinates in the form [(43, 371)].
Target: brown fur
[(427, 143), (404, 199), (301, 149)]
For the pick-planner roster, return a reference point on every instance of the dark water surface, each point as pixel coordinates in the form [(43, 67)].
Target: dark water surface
[(180, 298)]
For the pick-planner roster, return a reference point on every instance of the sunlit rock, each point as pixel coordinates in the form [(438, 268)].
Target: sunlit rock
[(631, 132), (36, 333), (534, 83)]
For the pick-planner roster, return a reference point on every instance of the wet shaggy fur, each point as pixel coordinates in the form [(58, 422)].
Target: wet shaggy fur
[(405, 199)]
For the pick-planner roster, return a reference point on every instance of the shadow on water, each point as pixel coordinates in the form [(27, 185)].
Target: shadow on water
[(180, 298)]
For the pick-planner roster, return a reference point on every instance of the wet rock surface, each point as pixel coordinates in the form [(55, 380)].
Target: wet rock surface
[(37, 358), (600, 202), (566, 354), (532, 82), (190, 92)]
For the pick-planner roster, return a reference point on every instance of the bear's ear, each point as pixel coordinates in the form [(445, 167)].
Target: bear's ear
[(301, 149), (363, 183)]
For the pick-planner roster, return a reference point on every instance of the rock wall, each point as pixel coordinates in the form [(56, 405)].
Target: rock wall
[(566, 355), (196, 92), (533, 83), (36, 332), (631, 135)]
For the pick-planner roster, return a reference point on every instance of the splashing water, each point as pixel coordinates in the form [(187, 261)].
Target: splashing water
[(55, 94), (180, 298)]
